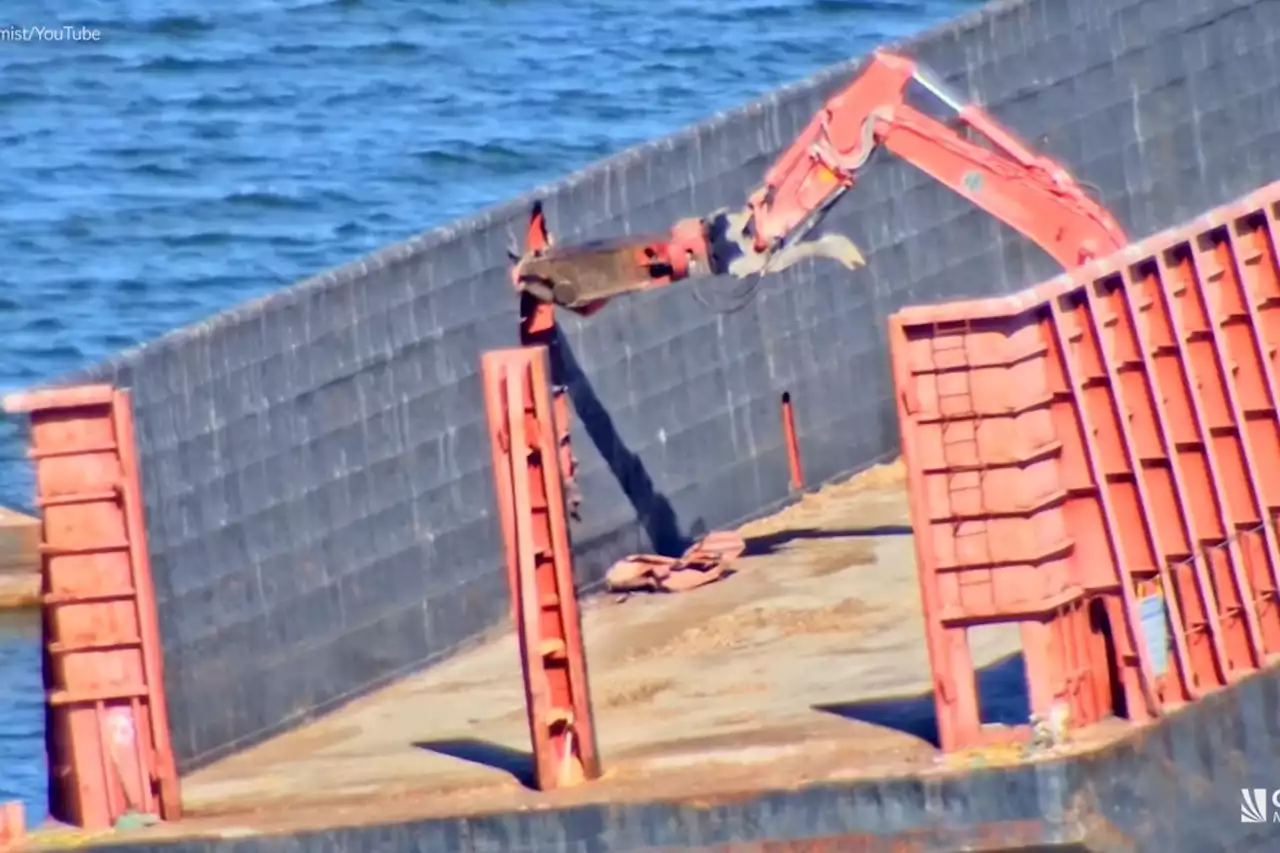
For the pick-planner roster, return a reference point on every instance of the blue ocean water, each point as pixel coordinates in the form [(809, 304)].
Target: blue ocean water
[(166, 159)]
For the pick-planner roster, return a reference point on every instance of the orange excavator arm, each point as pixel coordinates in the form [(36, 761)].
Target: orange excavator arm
[(1031, 193)]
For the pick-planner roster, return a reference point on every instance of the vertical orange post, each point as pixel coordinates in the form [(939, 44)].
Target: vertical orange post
[(793, 443), (531, 511), (165, 771), (538, 328), (110, 750)]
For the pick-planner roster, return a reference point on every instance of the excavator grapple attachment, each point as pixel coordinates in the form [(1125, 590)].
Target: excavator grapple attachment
[(584, 276), (574, 276)]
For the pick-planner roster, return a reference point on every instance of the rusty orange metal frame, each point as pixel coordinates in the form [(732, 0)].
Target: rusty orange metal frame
[(1103, 442), (540, 566), (109, 731)]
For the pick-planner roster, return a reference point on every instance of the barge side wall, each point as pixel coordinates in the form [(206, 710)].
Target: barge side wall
[(315, 463)]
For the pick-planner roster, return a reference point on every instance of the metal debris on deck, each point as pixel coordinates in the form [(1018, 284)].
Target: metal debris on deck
[(706, 561)]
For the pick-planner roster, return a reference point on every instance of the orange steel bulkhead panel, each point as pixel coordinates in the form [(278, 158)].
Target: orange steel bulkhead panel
[(992, 513), (522, 431), (1105, 443), (108, 731)]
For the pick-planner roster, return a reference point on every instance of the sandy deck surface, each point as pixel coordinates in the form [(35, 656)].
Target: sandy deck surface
[(778, 675)]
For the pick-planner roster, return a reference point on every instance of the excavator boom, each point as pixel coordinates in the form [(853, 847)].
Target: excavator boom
[(1027, 191)]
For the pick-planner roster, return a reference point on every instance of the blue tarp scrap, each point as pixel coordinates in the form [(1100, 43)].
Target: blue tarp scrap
[(1154, 618)]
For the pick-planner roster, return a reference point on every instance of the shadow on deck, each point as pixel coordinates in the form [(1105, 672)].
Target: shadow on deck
[(516, 762), (770, 543), (1002, 699)]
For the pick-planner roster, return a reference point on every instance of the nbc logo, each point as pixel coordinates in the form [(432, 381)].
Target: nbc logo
[(1253, 806)]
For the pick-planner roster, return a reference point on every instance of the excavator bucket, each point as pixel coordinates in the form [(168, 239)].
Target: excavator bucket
[(530, 275), (574, 277)]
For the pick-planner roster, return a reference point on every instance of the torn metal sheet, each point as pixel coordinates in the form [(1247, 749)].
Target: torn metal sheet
[(706, 561)]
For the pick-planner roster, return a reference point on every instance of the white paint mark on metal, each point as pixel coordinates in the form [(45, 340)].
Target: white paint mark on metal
[(120, 727)]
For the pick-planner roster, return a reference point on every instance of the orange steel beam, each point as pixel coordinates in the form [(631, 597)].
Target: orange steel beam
[(110, 747), (539, 566), (166, 772)]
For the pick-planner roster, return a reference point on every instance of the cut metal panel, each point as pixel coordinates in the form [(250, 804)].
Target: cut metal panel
[(991, 511), (1104, 438)]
